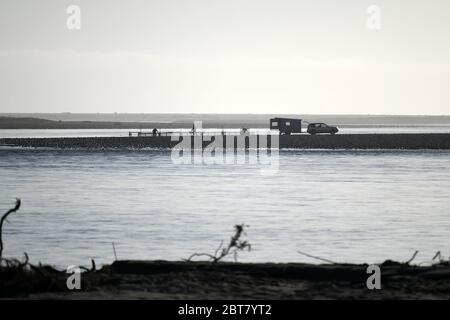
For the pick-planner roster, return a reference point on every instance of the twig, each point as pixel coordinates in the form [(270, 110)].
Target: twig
[(437, 256), (93, 268), (114, 249), (4, 217), (210, 256), (413, 257), (25, 263), (317, 258), (218, 248)]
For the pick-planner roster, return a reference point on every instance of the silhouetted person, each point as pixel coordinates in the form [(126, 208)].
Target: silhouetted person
[(155, 131)]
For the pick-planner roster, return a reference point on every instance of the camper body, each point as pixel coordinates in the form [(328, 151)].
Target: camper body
[(286, 125)]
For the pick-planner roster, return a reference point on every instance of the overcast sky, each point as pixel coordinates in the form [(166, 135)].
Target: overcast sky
[(228, 56)]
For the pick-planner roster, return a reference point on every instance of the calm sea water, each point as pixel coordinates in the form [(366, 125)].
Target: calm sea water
[(348, 206)]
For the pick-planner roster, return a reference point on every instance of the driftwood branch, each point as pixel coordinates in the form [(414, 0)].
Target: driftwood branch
[(4, 217), (235, 245), (315, 257)]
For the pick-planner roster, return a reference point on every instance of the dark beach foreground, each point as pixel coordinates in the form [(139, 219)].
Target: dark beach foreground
[(304, 141), (204, 280)]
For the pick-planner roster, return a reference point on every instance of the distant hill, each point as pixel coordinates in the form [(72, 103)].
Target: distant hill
[(36, 123)]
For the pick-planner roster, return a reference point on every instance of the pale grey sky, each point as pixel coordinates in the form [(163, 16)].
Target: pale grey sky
[(228, 56)]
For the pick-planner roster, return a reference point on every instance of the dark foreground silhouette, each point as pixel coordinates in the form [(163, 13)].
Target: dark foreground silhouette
[(205, 280)]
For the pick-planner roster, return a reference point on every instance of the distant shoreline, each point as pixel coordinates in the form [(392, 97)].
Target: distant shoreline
[(149, 121), (35, 123)]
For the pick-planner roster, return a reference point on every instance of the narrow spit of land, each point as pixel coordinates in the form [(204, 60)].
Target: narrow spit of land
[(434, 141)]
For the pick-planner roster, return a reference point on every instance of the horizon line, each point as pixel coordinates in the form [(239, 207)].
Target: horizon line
[(249, 114)]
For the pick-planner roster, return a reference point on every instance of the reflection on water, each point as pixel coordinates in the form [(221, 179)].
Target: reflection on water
[(356, 206)]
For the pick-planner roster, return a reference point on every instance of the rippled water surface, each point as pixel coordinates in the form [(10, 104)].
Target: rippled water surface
[(354, 206)]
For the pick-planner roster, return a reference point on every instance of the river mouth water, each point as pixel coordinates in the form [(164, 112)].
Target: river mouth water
[(347, 206), (73, 133)]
